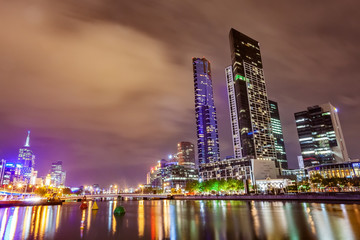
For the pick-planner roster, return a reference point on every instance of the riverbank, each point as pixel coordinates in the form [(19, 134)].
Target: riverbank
[(305, 197), (4, 204)]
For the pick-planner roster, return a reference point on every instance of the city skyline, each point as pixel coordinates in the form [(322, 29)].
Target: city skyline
[(87, 104)]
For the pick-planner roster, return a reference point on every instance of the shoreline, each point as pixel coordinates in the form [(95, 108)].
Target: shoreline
[(5, 204), (302, 197)]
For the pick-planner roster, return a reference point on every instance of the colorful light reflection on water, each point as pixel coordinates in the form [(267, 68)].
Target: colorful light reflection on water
[(164, 219)]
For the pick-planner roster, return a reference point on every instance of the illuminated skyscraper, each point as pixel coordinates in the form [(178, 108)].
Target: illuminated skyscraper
[(320, 135), (186, 154), (206, 121), (281, 160), (249, 106), (26, 159), (58, 176)]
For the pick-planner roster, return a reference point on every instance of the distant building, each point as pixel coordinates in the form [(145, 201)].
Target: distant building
[(58, 176), (48, 180), (186, 154), (249, 106), (2, 170), (281, 160), (206, 120), (26, 159), (33, 177), (320, 136)]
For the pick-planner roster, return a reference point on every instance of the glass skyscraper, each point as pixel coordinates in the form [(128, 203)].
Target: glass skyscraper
[(57, 174), (206, 121), (249, 106), (320, 135), (281, 160)]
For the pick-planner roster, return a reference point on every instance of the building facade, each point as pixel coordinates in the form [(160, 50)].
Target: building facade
[(2, 170), (170, 174), (186, 154), (336, 170), (206, 120), (26, 159), (248, 98), (320, 135), (281, 160), (58, 176)]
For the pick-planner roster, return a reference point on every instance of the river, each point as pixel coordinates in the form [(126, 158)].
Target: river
[(178, 219)]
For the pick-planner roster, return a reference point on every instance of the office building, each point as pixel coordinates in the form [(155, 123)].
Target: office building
[(281, 160), (206, 121), (26, 159), (57, 174), (2, 170), (186, 154), (320, 136), (249, 106)]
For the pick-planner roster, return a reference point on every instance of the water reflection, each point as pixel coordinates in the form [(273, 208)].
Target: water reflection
[(168, 219)]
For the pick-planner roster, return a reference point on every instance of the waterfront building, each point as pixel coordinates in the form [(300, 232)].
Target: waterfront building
[(320, 135), (238, 168), (281, 160), (206, 121), (350, 169), (297, 175), (170, 174), (249, 106), (2, 170), (58, 176), (26, 159), (186, 154)]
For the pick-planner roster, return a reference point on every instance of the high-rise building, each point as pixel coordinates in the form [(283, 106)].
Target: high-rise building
[(206, 121), (58, 176), (320, 135), (26, 159), (281, 160), (2, 170), (249, 106), (186, 154)]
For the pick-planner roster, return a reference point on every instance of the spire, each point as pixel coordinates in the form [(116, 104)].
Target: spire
[(27, 144)]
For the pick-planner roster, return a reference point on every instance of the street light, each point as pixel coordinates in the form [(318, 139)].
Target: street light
[(142, 188)]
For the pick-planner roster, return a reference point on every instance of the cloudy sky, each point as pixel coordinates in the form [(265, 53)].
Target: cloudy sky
[(106, 86)]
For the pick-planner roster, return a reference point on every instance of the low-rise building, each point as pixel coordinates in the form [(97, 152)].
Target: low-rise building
[(238, 168), (349, 169)]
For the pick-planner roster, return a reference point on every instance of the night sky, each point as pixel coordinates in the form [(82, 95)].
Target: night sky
[(107, 86)]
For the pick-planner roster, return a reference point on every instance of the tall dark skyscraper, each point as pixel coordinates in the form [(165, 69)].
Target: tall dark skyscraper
[(281, 160), (249, 106), (206, 121), (320, 135)]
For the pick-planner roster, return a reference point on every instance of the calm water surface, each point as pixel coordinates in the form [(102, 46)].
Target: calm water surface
[(175, 219)]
